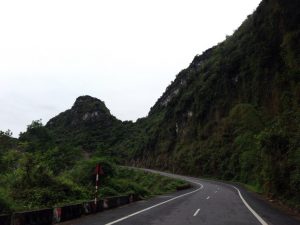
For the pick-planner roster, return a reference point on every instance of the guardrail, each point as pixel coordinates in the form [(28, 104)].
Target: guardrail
[(5, 219), (64, 213)]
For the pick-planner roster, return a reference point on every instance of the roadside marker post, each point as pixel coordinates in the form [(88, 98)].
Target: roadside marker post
[(99, 172)]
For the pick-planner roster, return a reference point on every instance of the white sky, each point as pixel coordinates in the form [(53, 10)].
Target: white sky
[(122, 52)]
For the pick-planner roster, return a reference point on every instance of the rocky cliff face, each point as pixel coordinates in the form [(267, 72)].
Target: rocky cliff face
[(253, 67), (85, 111)]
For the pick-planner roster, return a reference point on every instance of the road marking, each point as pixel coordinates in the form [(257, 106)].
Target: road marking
[(250, 209), (196, 213), (244, 201), (208, 197), (151, 207)]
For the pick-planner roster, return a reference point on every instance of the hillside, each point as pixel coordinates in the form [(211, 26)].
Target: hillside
[(234, 112)]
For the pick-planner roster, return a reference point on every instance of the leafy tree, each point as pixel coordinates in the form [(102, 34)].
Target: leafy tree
[(37, 137)]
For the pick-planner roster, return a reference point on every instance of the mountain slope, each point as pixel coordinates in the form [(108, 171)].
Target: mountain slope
[(234, 112)]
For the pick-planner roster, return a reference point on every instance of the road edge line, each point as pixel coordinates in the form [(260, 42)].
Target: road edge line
[(258, 217), (151, 207)]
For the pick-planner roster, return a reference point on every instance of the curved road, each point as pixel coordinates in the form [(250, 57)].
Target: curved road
[(208, 202)]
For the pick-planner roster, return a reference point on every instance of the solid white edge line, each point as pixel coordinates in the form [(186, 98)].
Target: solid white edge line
[(240, 195), (151, 207), (250, 209), (196, 213)]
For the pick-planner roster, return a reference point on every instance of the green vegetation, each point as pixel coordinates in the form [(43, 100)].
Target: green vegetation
[(33, 177)]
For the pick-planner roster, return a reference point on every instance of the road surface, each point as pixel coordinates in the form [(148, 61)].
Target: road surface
[(208, 202)]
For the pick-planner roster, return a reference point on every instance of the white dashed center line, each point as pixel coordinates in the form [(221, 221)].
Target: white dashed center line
[(196, 213)]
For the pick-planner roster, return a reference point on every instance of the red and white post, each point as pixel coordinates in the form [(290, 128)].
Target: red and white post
[(99, 172), (98, 168)]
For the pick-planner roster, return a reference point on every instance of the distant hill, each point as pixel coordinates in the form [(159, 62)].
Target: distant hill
[(90, 126), (86, 124)]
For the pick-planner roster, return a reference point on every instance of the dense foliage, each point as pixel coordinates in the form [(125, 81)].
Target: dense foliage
[(36, 172)]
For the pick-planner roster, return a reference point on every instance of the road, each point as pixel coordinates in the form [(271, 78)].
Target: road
[(208, 202)]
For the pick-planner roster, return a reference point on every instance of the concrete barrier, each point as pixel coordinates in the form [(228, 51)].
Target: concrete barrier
[(109, 203), (124, 200), (133, 198), (38, 217), (113, 202), (65, 213), (56, 215), (5, 219), (90, 207), (99, 206), (71, 212)]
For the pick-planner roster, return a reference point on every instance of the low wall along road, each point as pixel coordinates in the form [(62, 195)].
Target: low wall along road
[(65, 213)]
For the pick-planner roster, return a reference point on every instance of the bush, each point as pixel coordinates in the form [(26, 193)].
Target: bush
[(84, 171), (4, 203)]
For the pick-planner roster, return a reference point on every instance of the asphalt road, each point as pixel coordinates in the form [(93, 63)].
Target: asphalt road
[(208, 202)]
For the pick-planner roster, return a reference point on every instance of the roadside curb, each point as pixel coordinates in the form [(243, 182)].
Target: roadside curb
[(67, 212)]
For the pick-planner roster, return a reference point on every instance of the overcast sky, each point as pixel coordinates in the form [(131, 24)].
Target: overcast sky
[(123, 52)]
